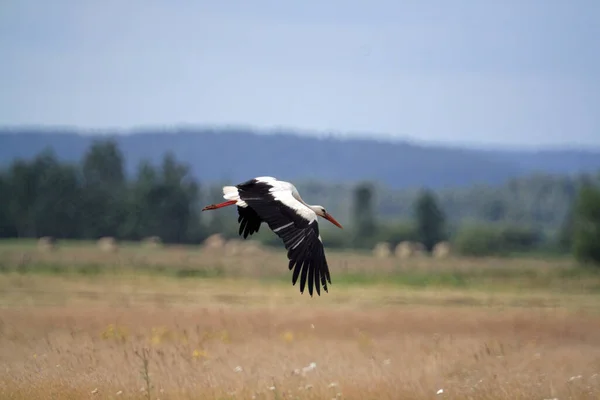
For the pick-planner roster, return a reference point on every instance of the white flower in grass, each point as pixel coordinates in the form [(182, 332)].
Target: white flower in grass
[(310, 367)]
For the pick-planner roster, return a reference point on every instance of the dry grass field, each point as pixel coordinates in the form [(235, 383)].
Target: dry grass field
[(185, 323)]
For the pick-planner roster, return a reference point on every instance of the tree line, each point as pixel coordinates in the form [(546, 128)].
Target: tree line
[(93, 198)]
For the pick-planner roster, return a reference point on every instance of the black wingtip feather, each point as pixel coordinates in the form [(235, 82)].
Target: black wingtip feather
[(311, 280), (305, 268), (296, 273), (316, 281)]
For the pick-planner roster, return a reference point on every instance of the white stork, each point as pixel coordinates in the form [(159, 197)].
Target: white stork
[(279, 204)]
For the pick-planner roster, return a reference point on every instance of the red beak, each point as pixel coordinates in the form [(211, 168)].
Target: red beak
[(329, 218)]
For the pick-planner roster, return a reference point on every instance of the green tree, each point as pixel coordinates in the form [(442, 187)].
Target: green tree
[(21, 184), (364, 215), (104, 190), (494, 210), (566, 230), (218, 220), (142, 217), (178, 199), (7, 226), (57, 202), (586, 234), (41, 197), (164, 202), (103, 164), (430, 220)]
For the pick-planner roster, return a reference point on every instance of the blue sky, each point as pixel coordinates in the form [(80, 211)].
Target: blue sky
[(503, 72)]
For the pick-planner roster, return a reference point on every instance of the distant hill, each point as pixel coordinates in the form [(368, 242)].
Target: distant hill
[(237, 154)]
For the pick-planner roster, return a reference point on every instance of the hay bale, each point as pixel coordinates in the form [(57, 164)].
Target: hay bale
[(108, 244), (404, 249), (233, 247), (382, 250), (152, 242), (46, 243), (215, 241), (442, 250), (251, 247)]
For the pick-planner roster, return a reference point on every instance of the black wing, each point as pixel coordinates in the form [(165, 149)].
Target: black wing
[(249, 221), (301, 237)]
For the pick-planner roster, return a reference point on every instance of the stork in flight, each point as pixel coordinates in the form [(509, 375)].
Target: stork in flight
[(279, 204)]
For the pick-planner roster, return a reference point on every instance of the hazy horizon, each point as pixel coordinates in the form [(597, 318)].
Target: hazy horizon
[(373, 136), (511, 74)]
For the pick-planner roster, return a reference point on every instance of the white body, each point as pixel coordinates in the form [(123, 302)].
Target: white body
[(282, 191)]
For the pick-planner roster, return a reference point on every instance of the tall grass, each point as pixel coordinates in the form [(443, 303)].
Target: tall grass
[(181, 322), (212, 351)]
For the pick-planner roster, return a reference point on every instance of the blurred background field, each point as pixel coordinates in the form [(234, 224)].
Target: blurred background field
[(133, 320)]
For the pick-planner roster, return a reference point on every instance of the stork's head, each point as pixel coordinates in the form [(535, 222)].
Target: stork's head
[(320, 211)]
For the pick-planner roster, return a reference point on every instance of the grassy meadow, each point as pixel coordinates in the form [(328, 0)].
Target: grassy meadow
[(183, 322)]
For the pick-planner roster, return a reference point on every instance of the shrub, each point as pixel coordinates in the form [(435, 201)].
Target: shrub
[(586, 235), (490, 239)]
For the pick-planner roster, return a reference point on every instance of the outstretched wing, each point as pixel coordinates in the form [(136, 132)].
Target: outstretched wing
[(296, 225)]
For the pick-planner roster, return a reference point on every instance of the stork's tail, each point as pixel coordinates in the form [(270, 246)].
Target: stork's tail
[(232, 193)]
